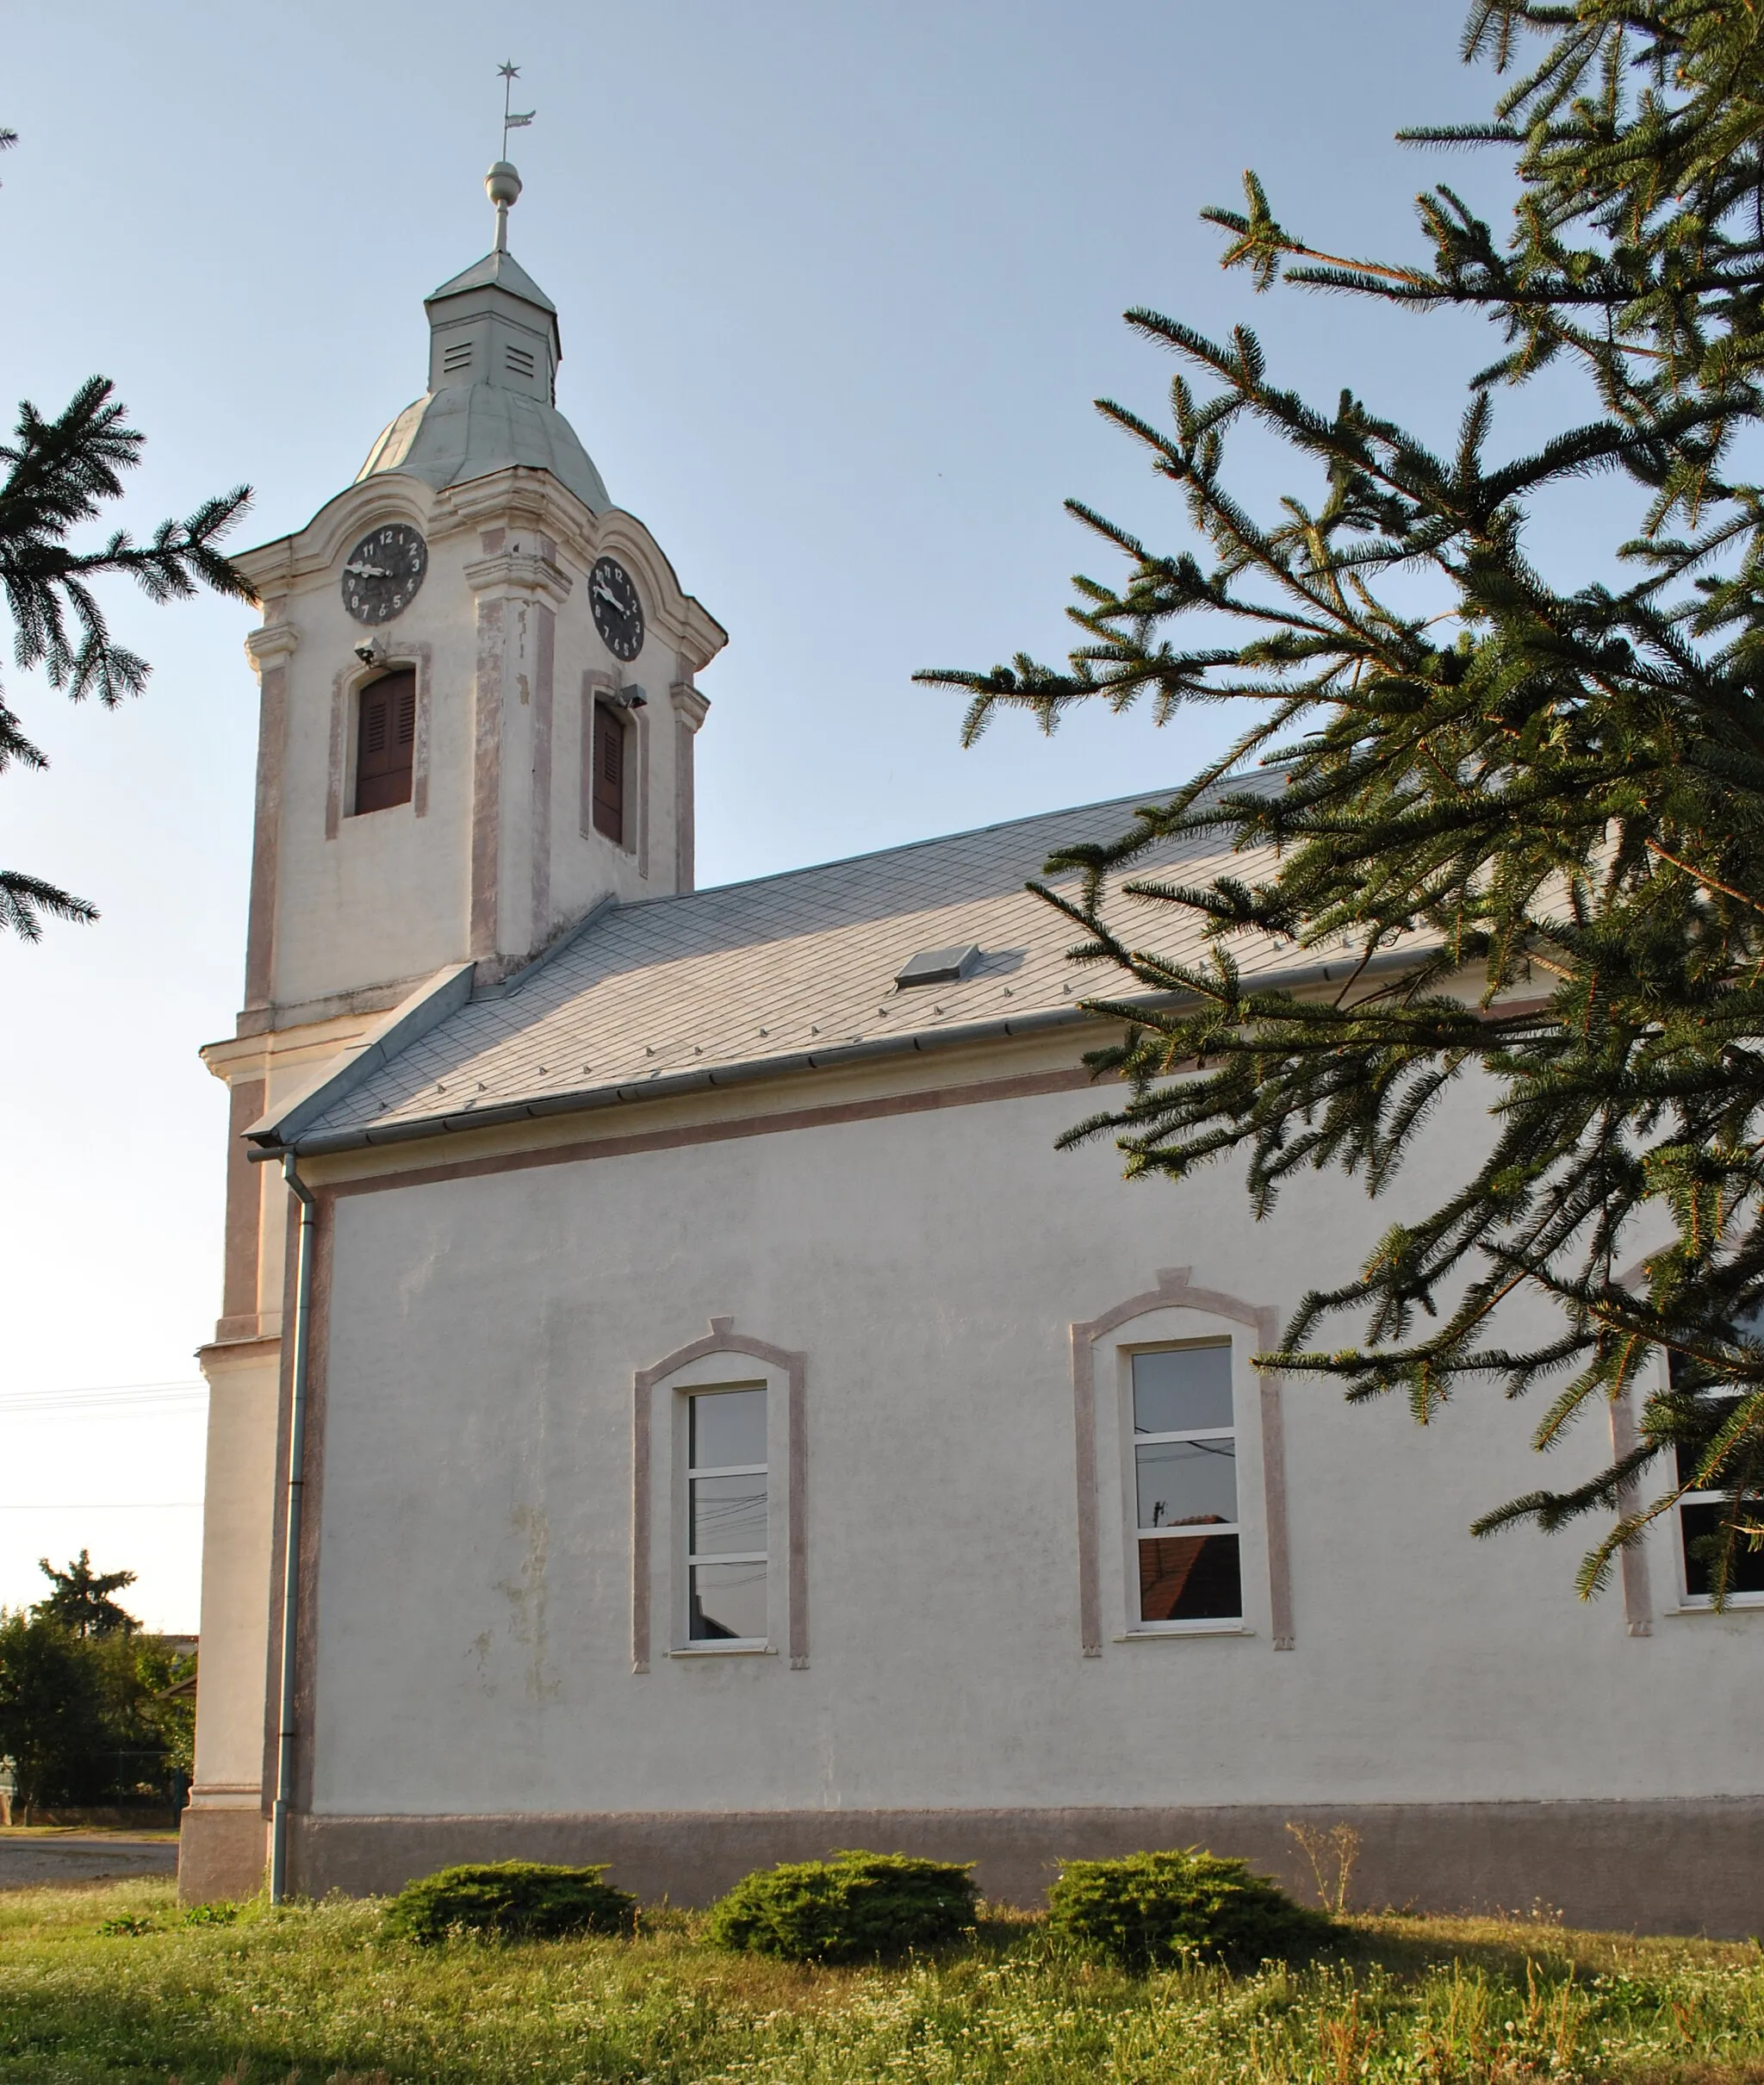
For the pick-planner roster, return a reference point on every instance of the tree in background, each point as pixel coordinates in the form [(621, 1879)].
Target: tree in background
[(93, 1710), (165, 1710), (1525, 819), (81, 1600), (53, 1724), (59, 475)]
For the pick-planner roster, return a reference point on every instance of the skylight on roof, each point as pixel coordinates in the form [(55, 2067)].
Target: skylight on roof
[(937, 966)]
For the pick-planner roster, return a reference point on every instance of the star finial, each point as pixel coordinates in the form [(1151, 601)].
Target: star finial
[(508, 72)]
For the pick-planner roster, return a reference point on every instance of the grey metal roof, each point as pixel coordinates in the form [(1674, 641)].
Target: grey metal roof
[(752, 979), (499, 270), (458, 431), (467, 431)]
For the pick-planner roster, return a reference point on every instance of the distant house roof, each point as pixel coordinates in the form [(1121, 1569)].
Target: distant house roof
[(756, 978)]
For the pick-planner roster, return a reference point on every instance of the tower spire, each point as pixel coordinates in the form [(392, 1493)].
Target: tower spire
[(502, 184)]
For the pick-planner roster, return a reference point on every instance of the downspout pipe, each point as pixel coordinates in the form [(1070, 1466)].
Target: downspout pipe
[(290, 1559)]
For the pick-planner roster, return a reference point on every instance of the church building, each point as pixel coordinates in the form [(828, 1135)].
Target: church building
[(673, 1404)]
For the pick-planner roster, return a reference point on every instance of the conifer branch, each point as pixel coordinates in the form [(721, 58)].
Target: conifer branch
[(1484, 801), (59, 475)]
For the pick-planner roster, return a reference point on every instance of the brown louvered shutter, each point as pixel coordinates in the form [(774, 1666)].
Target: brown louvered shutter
[(386, 741), (609, 773)]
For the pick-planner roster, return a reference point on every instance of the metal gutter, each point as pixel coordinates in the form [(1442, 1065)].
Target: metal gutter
[(291, 1555), (748, 1071)]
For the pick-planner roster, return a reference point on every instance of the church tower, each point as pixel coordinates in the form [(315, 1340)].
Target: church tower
[(476, 722)]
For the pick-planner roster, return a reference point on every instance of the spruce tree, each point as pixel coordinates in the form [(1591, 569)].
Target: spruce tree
[(93, 1708), (1536, 821), (58, 474), (79, 1600)]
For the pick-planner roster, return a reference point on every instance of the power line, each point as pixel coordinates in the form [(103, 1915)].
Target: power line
[(100, 1505), (102, 1397)]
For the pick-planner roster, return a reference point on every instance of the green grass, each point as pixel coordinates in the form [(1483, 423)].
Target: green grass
[(321, 1992)]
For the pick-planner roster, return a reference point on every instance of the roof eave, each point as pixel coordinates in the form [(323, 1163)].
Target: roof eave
[(749, 1071), (585, 1099)]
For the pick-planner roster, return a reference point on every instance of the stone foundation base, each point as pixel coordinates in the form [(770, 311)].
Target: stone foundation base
[(1665, 1867), (222, 1854)]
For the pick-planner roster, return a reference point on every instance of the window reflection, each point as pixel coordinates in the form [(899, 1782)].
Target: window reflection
[(1185, 1477), (727, 1516), (728, 1429), (1179, 1389), (1190, 1578), (1187, 1480), (1705, 1524), (726, 1534), (728, 1604), (1708, 1517)]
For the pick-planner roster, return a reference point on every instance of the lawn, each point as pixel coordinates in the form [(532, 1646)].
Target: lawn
[(320, 1992)]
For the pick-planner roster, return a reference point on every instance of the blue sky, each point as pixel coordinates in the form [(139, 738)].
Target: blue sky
[(837, 286)]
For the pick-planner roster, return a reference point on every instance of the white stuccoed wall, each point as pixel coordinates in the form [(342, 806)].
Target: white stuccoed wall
[(473, 1593)]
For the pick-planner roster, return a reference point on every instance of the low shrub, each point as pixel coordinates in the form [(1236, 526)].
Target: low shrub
[(853, 1907), (513, 1900), (1152, 1910)]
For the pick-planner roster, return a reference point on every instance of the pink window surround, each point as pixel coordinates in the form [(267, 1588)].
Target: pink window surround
[(1175, 1291), (721, 1339)]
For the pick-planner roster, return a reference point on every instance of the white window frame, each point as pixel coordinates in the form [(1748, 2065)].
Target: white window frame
[(1704, 1604), (684, 1394), (1177, 1309), (1132, 1441)]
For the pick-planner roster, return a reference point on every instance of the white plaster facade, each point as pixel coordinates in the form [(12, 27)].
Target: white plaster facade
[(509, 1311)]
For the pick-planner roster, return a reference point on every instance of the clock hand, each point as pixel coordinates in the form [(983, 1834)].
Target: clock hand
[(608, 595), (366, 572)]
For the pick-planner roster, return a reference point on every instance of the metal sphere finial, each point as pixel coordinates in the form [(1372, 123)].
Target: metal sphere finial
[(502, 186)]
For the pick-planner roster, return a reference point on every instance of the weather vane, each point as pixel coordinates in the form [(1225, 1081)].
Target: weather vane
[(511, 72)]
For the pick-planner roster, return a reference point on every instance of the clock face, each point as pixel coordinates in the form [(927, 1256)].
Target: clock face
[(383, 571), (619, 614)]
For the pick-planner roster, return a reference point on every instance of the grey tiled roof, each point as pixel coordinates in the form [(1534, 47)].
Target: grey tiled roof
[(748, 978)]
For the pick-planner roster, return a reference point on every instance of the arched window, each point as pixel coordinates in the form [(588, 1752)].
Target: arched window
[(719, 1550), (386, 740), (1165, 1395)]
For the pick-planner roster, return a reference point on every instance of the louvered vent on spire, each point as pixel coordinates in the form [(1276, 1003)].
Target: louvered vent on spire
[(493, 352)]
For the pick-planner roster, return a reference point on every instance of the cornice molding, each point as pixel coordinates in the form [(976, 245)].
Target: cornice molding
[(519, 498), (689, 706), (272, 641), (518, 572)]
